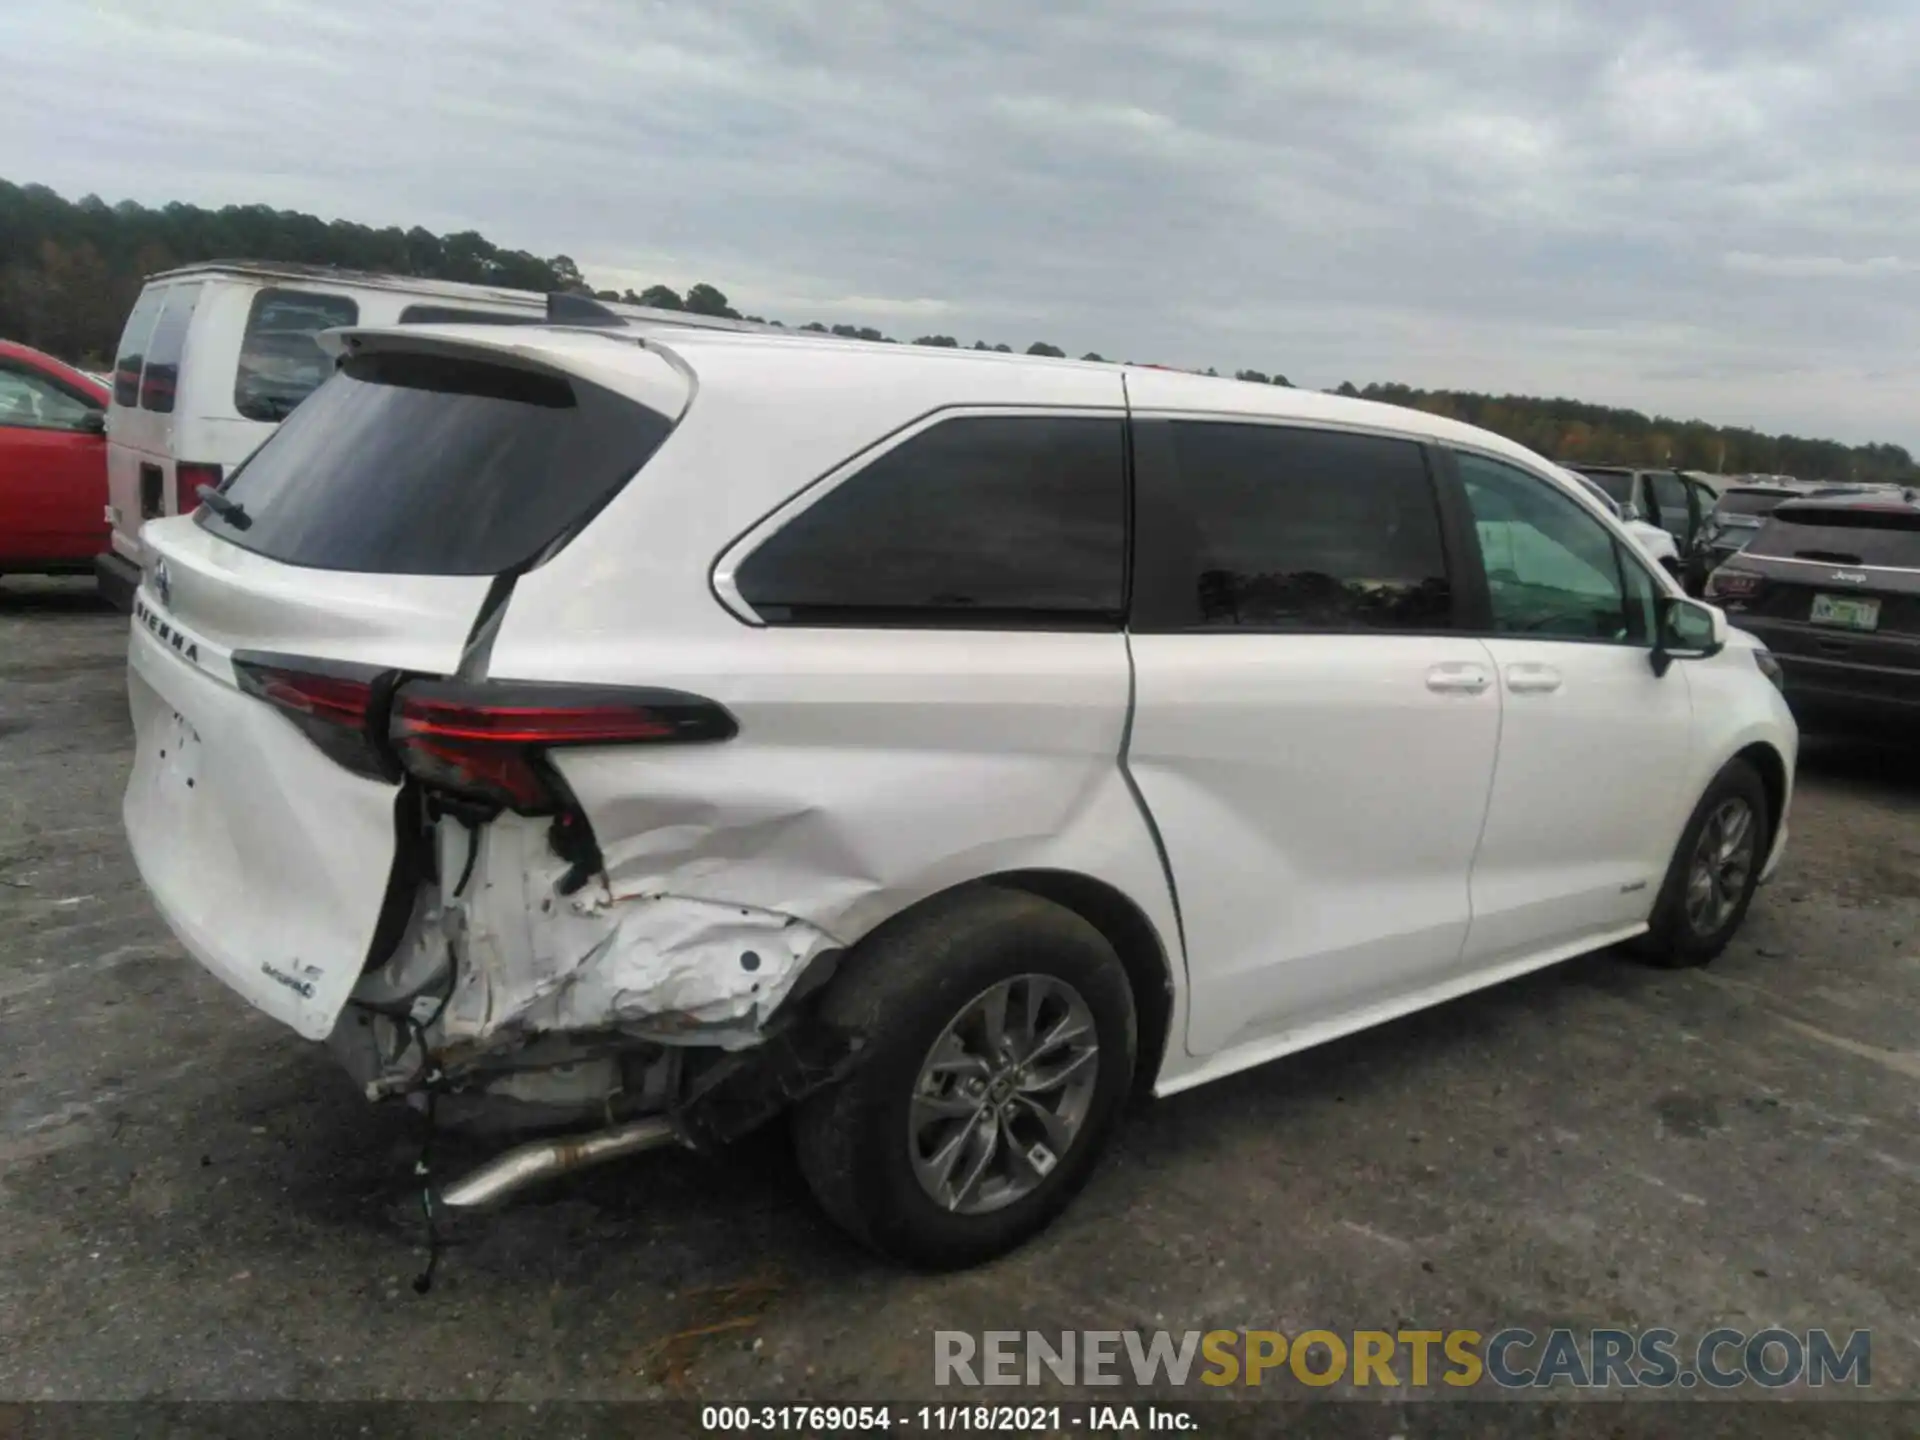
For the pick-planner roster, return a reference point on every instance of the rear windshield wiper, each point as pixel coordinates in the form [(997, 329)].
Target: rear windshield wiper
[(231, 511)]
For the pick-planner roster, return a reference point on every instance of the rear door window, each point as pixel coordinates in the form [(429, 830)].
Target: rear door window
[(434, 465), (1270, 527), (161, 380), (1617, 483), (281, 363), (133, 345), (980, 520), (1670, 495)]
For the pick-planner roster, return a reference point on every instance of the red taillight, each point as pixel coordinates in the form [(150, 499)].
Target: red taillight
[(485, 740), (1725, 584), (188, 477), (333, 705)]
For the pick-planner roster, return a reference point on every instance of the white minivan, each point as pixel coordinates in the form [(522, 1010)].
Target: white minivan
[(214, 356), (648, 732)]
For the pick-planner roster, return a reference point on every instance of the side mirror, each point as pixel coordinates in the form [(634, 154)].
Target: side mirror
[(1687, 630), (94, 422)]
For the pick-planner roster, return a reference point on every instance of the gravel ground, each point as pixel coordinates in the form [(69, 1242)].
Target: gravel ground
[(194, 1205)]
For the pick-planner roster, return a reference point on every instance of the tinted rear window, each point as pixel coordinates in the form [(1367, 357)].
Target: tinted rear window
[(133, 345), (1598, 493), (1277, 528), (1750, 502), (161, 380), (978, 520), (431, 465), (1842, 535), (1892, 516), (453, 315), (281, 363), (1617, 483)]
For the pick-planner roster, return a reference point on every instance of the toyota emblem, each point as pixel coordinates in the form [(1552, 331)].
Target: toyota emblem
[(162, 583)]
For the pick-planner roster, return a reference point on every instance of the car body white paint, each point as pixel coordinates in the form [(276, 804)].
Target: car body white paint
[(1354, 827)]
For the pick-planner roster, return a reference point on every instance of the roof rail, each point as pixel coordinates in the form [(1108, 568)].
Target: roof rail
[(565, 308)]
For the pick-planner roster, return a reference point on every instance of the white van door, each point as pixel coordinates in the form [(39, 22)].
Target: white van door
[(1314, 738), (130, 435), (140, 427), (1594, 746)]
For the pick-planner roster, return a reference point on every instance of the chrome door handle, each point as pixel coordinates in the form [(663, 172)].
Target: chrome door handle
[(1458, 677), (1532, 679)]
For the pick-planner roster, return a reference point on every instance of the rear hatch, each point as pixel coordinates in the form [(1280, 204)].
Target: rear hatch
[(360, 546), (1834, 583)]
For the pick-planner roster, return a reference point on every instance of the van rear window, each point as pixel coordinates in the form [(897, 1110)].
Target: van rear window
[(280, 361), (1617, 483), (161, 381), (417, 464), (132, 353)]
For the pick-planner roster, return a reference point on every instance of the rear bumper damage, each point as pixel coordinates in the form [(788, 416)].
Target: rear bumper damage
[(737, 1092), (656, 1018)]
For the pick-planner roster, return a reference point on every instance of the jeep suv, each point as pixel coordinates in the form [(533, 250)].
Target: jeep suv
[(1831, 583)]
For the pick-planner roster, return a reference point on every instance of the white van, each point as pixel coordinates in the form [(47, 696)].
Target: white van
[(216, 355)]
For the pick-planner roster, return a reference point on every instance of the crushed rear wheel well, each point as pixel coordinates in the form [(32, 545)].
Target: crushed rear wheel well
[(1133, 939)]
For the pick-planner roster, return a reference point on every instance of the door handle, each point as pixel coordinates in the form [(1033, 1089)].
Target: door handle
[(1532, 679), (1458, 677)]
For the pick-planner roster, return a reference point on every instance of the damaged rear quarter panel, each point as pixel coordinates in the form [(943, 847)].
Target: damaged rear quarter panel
[(656, 966), (872, 770)]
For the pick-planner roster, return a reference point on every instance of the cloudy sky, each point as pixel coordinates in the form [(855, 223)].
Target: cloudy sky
[(1707, 208)]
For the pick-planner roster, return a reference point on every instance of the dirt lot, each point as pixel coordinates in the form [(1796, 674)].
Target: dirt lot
[(193, 1204)]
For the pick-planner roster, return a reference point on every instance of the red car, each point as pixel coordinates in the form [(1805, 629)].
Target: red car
[(53, 464)]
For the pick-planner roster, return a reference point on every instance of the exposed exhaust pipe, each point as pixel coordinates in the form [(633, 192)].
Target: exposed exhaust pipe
[(531, 1163)]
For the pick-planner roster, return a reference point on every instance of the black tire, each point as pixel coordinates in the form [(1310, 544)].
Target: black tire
[(900, 989), (1673, 940)]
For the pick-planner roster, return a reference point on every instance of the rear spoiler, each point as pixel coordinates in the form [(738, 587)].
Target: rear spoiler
[(561, 354)]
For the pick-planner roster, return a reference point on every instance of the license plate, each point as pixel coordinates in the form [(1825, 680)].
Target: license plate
[(1850, 612)]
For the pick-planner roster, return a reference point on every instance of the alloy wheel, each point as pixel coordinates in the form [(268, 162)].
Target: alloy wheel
[(1002, 1094), (1723, 858)]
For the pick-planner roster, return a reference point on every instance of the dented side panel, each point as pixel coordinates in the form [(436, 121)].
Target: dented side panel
[(866, 776), (871, 776), (655, 966), (874, 769)]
